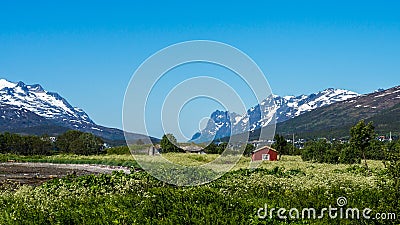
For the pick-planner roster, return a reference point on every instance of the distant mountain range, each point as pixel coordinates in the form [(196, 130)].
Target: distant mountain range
[(224, 124), (30, 109), (381, 107)]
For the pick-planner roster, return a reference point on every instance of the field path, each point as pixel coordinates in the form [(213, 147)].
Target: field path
[(37, 173)]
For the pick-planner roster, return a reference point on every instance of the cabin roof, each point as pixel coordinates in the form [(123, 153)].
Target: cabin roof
[(264, 147), (192, 148)]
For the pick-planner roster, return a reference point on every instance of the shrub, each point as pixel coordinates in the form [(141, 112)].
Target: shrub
[(119, 150), (80, 143), (349, 156)]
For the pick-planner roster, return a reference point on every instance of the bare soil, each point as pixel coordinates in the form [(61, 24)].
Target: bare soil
[(16, 174)]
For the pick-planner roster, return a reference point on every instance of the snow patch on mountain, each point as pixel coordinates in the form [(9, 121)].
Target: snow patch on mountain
[(35, 99), (6, 84), (273, 109)]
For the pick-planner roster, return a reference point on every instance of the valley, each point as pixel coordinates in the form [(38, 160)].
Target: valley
[(76, 173)]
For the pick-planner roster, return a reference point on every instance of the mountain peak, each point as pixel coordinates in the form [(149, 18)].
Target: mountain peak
[(21, 84), (330, 89), (6, 84), (284, 108), (30, 109), (36, 88), (37, 100)]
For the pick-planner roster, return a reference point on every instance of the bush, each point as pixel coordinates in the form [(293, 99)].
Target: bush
[(119, 150), (25, 145), (349, 156), (169, 144), (320, 151), (218, 149), (80, 143)]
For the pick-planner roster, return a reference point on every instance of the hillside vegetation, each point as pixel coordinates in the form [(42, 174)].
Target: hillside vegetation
[(333, 121)]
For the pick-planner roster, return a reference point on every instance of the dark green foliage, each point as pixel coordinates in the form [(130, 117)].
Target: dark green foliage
[(221, 147), (332, 155), (391, 182), (119, 150), (65, 140), (375, 150), (323, 151), (361, 136), (320, 151), (70, 142), (293, 150), (80, 143), (349, 155), (362, 144), (25, 145), (213, 148), (283, 147), (86, 144), (280, 145), (249, 149), (169, 144)]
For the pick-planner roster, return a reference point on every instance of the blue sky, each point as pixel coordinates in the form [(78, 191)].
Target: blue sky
[(88, 50)]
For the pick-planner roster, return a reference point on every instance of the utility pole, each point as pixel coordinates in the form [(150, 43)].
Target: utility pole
[(293, 141)]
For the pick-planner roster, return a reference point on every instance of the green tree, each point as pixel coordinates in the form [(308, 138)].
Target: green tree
[(13, 143), (211, 148), (319, 151), (375, 150), (25, 145), (390, 182), (349, 155), (169, 144), (249, 149), (221, 147), (280, 145), (86, 144), (361, 136), (34, 145), (78, 142), (65, 140)]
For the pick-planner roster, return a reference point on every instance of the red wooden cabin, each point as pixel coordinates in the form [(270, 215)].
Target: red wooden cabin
[(264, 153)]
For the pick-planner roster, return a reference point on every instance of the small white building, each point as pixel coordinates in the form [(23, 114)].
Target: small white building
[(153, 150), (193, 149)]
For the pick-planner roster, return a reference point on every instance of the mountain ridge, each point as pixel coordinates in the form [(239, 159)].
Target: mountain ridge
[(273, 109), (381, 107), (30, 109)]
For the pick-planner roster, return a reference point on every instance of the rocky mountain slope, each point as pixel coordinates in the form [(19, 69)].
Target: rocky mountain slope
[(274, 109), (382, 107), (30, 109)]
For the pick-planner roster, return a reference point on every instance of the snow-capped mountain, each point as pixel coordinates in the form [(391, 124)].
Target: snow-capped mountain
[(30, 109), (273, 109), (291, 106), (49, 105), (382, 107)]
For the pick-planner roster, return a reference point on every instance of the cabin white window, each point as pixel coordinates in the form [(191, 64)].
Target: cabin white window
[(265, 157)]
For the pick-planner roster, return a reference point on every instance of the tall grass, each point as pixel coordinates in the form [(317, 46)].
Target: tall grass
[(112, 160), (138, 198)]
